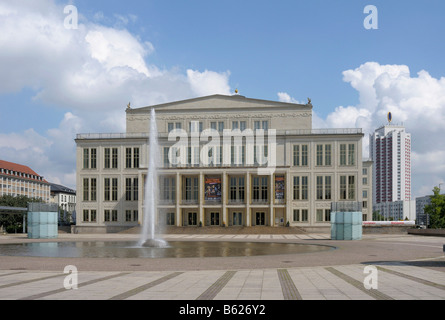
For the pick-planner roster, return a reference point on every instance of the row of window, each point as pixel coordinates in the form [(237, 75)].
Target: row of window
[(111, 156), (214, 218), (197, 126), (324, 156), (110, 215), (213, 188)]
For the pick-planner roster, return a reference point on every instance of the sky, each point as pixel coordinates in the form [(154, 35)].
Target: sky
[(58, 78)]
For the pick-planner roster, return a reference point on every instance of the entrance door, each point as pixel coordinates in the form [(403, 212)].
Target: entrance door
[(192, 218), (237, 218), (214, 218), (260, 219)]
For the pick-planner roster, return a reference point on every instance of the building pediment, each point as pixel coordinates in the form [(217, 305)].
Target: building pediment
[(219, 103)]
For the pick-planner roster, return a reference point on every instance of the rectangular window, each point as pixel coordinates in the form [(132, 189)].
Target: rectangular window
[(319, 215), (319, 188), (86, 189), (114, 215), (136, 158), (93, 158), (342, 154), (328, 188), (166, 160), (236, 189), (304, 155), (347, 154), (93, 189), (347, 187), (351, 155), (86, 216), (107, 158), (296, 154), (168, 189), (86, 158), (327, 154), (301, 188), (343, 188), (128, 157), (304, 215), (220, 126), (114, 158), (107, 216), (170, 127), (107, 188), (296, 188), (351, 188), (260, 189), (170, 218), (304, 188), (114, 189), (296, 215), (128, 215), (300, 215), (319, 154), (128, 186), (301, 155), (191, 189), (93, 216), (135, 189)]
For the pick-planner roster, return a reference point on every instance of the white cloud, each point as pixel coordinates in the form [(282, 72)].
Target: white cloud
[(90, 73), (416, 101), (285, 97), (208, 82)]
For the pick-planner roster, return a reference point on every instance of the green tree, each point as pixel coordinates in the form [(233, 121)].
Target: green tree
[(436, 210), (14, 221)]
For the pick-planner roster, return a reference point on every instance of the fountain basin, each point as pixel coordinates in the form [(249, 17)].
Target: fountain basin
[(182, 249)]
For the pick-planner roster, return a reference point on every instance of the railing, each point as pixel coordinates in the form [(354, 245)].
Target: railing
[(145, 135)]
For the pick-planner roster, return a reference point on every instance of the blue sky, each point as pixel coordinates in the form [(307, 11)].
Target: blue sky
[(58, 82)]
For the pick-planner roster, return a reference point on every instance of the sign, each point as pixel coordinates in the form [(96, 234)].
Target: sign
[(212, 189), (279, 187)]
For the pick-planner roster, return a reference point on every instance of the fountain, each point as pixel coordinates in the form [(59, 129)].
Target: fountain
[(148, 233)]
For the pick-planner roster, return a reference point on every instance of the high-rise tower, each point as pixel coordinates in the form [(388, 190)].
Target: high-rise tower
[(390, 150)]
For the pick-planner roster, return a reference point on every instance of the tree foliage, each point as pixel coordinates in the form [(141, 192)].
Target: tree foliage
[(436, 210), (13, 221)]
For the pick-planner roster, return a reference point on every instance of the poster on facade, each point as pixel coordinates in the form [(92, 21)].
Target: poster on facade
[(213, 189), (279, 187)]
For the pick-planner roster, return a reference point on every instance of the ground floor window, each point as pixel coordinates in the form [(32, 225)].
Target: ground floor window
[(300, 215), (170, 219), (131, 215), (323, 215)]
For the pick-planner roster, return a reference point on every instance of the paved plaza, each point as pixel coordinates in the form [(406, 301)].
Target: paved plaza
[(404, 266)]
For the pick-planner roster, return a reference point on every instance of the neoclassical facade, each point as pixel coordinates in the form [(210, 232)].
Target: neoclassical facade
[(223, 161)]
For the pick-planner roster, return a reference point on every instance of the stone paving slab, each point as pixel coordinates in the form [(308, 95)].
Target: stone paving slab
[(254, 279), (319, 283)]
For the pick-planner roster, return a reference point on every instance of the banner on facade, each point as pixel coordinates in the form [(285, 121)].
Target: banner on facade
[(212, 189), (279, 187)]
